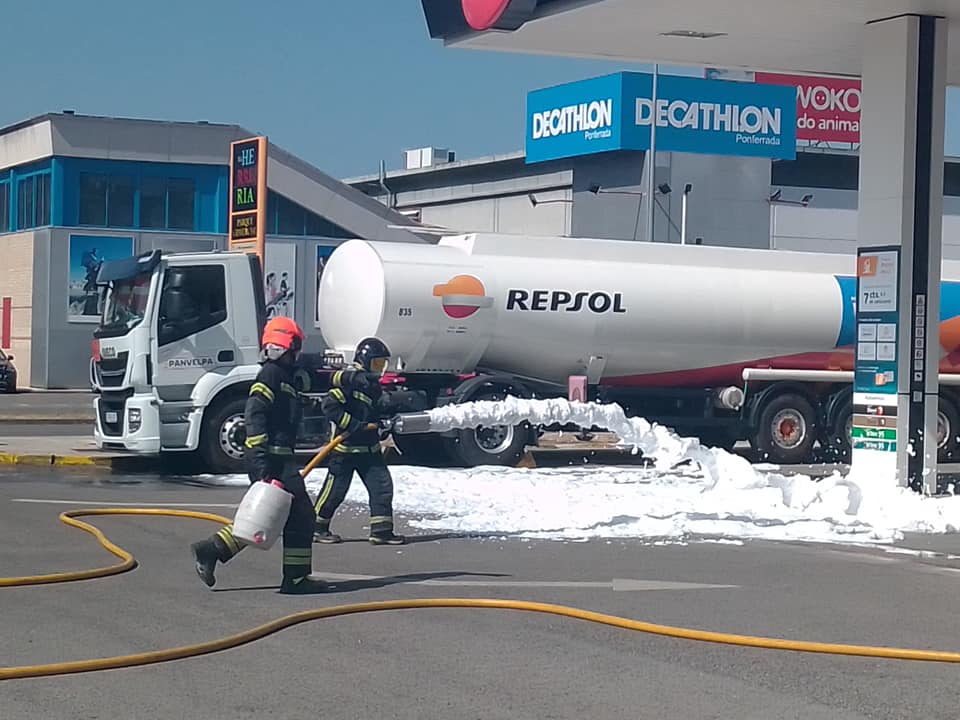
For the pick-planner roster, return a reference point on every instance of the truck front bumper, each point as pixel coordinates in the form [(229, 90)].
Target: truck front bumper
[(127, 422)]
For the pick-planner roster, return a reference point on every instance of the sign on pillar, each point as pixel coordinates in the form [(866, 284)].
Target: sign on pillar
[(874, 431), (248, 196), (901, 204)]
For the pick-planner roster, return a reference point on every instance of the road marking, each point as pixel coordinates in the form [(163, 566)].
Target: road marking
[(617, 584), (123, 504)]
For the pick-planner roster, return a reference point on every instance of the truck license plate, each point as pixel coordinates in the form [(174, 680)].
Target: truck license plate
[(112, 417)]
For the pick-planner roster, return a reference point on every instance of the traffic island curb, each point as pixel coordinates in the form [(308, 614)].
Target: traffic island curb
[(75, 462)]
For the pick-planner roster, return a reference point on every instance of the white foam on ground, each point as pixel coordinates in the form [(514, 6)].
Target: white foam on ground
[(714, 494)]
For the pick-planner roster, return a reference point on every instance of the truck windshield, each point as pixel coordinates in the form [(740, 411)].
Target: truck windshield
[(125, 304)]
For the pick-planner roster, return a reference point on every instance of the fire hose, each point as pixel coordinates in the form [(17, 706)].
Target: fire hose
[(128, 563)]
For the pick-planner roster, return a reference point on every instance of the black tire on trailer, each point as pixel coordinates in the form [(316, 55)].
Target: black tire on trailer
[(839, 442), (496, 445), (948, 427), (786, 430), (426, 450), (223, 435)]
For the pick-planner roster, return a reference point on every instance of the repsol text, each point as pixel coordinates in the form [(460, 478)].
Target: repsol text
[(562, 300)]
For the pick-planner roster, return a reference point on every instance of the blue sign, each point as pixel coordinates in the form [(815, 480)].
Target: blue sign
[(692, 115)]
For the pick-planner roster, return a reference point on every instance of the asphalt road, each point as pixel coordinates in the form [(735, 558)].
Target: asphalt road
[(460, 663), (56, 406)]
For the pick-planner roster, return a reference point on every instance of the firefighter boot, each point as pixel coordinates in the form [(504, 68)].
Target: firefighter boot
[(302, 586), (386, 537), (205, 555), (322, 534)]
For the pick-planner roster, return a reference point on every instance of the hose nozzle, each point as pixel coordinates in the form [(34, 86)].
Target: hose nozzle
[(412, 423)]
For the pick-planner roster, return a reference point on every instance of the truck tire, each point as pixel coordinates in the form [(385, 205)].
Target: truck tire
[(837, 444), (786, 430), (497, 445), (948, 427), (222, 437), (426, 450)]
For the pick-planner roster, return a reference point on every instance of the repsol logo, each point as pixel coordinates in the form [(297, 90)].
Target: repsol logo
[(190, 362), (557, 300)]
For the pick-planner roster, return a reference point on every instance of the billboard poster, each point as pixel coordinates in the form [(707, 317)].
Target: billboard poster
[(828, 108), (86, 254), (248, 195), (279, 279), (323, 254)]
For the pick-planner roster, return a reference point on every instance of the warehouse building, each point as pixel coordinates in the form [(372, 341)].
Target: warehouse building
[(807, 204), (78, 190)]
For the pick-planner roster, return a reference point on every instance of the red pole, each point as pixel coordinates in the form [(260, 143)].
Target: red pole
[(6, 319)]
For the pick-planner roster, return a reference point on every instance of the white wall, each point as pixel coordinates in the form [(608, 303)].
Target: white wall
[(834, 230), (507, 214)]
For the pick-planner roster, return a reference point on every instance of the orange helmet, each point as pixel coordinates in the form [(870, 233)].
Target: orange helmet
[(282, 333)]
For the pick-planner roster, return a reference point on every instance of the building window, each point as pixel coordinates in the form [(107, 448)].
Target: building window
[(153, 203), (167, 203), (180, 202), (25, 203), (289, 218), (4, 207), (42, 203), (285, 217), (120, 201), (93, 199)]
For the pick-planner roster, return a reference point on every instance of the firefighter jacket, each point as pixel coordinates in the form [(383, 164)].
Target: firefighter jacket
[(272, 418), (354, 401)]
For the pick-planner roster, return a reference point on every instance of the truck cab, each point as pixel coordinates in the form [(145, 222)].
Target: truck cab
[(175, 353)]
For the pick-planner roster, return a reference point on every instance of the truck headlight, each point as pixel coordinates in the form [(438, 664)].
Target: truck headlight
[(133, 419)]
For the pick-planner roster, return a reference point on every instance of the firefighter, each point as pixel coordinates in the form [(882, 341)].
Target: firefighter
[(272, 416), (355, 400)]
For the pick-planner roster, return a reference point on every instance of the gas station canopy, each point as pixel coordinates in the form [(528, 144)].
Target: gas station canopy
[(815, 36), (906, 52)]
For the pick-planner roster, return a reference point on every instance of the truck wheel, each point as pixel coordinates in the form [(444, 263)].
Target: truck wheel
[(838, 444), (221, 442), (494, 445), (786, 430), (426, 450), (948, 426)]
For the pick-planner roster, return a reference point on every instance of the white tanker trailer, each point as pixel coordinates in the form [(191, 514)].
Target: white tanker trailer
[(721, 343)]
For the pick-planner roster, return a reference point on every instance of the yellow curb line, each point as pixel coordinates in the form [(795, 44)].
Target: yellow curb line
[(54, 460)]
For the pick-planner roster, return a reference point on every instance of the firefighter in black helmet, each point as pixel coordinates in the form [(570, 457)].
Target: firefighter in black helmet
[(356, 399)]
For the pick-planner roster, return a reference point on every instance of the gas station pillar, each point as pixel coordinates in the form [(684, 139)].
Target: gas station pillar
[(901, 204)]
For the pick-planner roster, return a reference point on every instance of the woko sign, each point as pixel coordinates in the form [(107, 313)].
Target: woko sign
[(828, 109), (616, 112)]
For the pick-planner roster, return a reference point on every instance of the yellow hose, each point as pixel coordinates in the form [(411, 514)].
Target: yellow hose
[(159, 656)]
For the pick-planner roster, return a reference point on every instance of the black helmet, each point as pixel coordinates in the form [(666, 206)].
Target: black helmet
[(368, 350)]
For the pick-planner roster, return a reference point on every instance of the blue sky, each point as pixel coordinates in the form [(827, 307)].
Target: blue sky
[(342, 84)]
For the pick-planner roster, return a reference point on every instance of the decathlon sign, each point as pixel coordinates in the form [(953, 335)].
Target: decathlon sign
[(616, 112)]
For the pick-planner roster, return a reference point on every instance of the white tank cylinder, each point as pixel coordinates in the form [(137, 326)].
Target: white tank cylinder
[(547, 308), (262, 515)]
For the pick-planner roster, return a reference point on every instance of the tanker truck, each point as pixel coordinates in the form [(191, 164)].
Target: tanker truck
[(724, 344), (719, 343)]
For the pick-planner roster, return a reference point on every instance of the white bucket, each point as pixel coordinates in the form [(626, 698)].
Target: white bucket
[(262, 514)]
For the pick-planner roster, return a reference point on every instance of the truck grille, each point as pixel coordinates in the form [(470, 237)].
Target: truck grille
[(111, 414), (111, 371)]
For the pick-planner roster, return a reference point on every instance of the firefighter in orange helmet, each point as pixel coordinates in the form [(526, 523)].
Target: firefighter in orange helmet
[(272, 417)]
